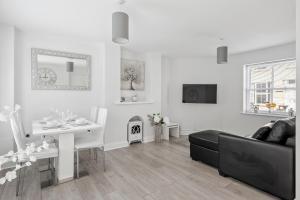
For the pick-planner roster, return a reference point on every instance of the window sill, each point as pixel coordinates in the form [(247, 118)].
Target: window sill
[(266, 114)]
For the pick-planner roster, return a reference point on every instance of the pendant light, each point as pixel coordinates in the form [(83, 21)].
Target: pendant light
[(70, 66), (222, 54), (120, 26)]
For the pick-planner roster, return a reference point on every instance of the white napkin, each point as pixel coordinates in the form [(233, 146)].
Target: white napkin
[(52, 124), (81, 121)]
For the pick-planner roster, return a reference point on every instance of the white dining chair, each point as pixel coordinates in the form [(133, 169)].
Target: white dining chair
[(94, 113), (17, 109), (51, 153), (27, 137), (93, 117), (170, 128), (92, 141)]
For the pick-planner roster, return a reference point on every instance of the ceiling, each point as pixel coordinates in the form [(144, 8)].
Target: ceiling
[(173, 27)]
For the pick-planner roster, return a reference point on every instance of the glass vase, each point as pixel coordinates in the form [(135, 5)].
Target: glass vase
[(158, 133)]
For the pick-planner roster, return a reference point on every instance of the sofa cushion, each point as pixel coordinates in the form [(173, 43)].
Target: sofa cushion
[(207, 139), (290, 142), (263, 132), (281, 131)]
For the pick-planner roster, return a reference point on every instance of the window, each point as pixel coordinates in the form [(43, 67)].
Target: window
[(270, 87)]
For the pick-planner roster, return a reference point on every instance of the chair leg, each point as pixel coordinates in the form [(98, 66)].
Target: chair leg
[(22, 185), (49, 169), (90, 153), (55, 171), (77, 152), (52, 171), (96, 152), (18, 182), (104, 167)]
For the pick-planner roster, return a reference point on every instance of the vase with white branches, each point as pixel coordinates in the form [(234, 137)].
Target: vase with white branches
[(157, 121), (15, 161)]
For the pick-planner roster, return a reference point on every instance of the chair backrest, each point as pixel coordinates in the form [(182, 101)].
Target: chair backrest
[(102, 117), (20, 121), (94, 114), (16, 131)]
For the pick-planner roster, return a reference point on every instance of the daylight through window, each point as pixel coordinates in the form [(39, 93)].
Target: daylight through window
[(270, 87)]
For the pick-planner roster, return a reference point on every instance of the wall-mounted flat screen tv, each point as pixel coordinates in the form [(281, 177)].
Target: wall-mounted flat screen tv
[(199, 93)]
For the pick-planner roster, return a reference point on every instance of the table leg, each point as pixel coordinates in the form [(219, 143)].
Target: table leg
[(66, 157), (166, 133), (174, 132), (177, 132)]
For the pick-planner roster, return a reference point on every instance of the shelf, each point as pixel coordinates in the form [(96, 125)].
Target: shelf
[(134, 103)]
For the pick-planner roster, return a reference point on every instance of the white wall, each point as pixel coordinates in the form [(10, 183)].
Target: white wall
[(105, 87), (165, 81), (119, 115), (37, 103), (7, 36), (233, 85), (226, 114), (194, 116)]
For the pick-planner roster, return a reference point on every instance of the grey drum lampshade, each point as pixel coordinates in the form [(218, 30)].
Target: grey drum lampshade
[(120, 23), (70, 66), (222, 55)]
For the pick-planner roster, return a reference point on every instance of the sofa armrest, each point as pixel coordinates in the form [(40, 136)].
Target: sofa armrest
[(267, 166)]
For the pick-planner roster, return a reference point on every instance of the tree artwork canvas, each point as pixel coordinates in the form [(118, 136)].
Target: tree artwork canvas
[(132, 74)]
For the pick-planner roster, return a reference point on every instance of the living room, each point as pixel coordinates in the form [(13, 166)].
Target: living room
[(191, 99)]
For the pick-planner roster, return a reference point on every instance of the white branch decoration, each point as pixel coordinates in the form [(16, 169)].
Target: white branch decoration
[(20, 159)]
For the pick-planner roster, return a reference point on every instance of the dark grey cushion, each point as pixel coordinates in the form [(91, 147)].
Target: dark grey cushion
[(281, 131), (263, 132), (290, 142)]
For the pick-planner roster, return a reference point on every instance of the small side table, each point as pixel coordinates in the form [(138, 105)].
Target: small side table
[(170, 129)]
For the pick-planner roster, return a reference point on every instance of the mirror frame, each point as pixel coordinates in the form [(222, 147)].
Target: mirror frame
[(34, 69)]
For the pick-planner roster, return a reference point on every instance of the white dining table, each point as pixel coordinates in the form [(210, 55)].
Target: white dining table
[(65, 135)]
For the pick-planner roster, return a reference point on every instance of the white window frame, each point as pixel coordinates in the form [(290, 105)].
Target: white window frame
[(246, 89)]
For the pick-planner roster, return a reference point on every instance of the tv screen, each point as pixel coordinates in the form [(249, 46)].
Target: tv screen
[(199, 93)]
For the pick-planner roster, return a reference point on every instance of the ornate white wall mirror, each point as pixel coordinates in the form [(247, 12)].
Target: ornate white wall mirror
[(57, 70)]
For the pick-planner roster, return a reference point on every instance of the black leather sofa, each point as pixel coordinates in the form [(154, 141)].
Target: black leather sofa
[(204, 147), (267, 164), (269, 167)]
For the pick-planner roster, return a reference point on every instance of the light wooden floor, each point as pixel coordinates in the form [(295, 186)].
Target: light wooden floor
[(141, 172)]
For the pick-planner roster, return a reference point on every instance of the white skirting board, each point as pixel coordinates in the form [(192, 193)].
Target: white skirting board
[(148, 139), (188, 131), (118, 145), (115, 145)]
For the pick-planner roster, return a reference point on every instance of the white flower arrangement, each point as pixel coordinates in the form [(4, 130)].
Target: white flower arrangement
[(20, 160), (156, 119)]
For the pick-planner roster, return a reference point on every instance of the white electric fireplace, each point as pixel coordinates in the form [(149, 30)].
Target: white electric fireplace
[(135, 129)]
